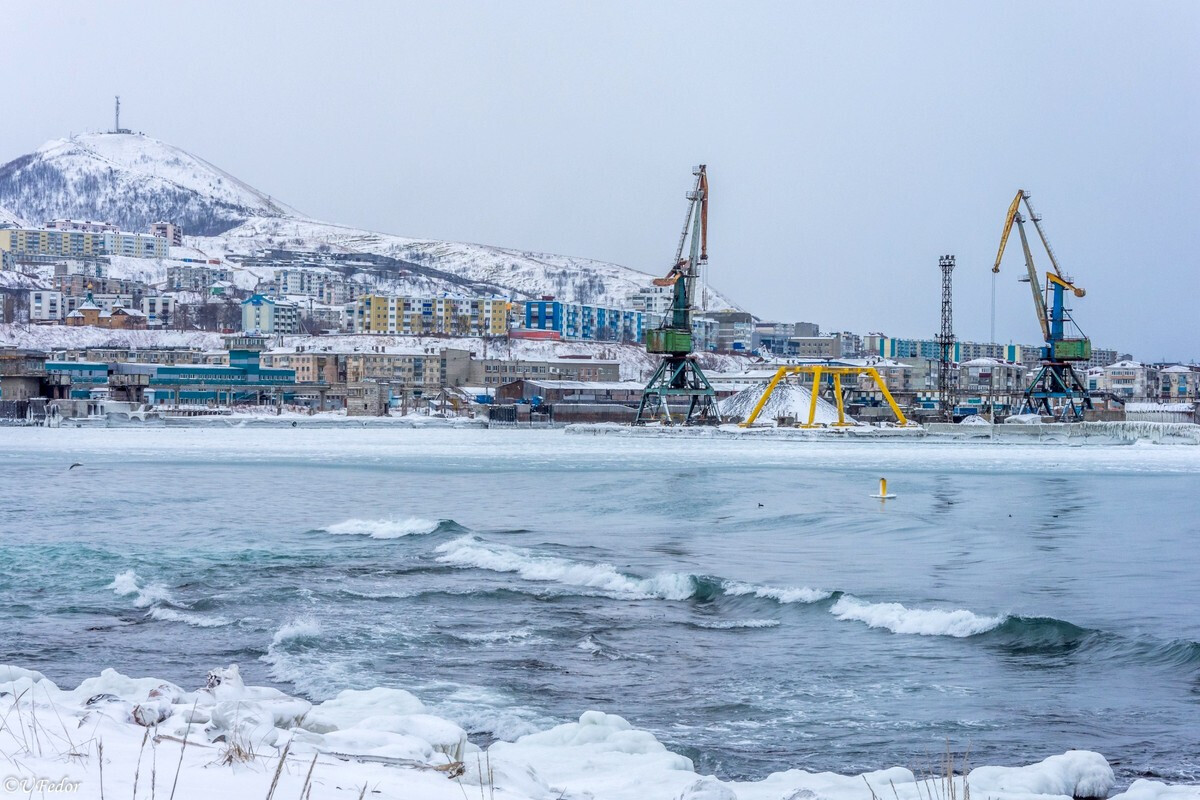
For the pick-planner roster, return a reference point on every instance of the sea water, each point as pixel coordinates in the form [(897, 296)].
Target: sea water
[(748, 602)]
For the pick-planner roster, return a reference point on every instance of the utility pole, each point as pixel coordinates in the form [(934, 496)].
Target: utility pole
[(946, 387)]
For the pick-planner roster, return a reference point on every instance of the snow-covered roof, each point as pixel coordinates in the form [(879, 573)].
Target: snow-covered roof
[(1125, 365), (1178, 368)]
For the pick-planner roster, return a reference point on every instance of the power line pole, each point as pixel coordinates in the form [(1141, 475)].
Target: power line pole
[(946, 386)]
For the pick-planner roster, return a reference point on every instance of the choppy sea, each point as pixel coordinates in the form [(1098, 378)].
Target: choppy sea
[(748, 602)]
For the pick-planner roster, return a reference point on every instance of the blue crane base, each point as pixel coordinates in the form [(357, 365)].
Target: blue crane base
[(678, 382), (1056, 391)]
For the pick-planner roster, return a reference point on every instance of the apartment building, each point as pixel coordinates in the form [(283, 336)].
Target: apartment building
[(81, 243), (269, 315), (414, 316), (1179, 383), (169, 231), (46, 306), (491, 372), (196, 277), (584, 321)]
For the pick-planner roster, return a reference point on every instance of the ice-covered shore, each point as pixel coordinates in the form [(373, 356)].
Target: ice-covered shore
[(121, 737)]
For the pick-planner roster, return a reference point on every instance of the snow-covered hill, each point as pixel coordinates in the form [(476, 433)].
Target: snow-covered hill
[(133, 180)]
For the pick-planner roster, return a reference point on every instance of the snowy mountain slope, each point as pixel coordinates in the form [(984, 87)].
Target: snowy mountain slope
[(129, 179), (520, 274), (8, 217), (133, 180)]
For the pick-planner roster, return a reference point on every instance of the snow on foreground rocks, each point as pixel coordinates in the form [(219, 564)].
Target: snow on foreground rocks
[(122, 737)]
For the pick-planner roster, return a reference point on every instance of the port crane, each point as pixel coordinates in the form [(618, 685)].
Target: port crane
[(1056, 390), (679, 378)]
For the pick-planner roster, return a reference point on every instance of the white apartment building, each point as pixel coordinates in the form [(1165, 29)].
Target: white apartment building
[(45, 306)]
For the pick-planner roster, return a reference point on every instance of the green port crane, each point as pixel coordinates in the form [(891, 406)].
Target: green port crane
[(1056, 389), (679, 378)]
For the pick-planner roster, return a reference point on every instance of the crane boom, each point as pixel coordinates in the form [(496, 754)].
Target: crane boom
[(1035, 285), (1013, 210)]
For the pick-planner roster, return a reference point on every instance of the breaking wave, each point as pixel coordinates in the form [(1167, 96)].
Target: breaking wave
[(159, 602), (489, 637), (786, 595), (730, 624), (896, 618), (126, 584), (384, 528), (166, 614), (473, 553)]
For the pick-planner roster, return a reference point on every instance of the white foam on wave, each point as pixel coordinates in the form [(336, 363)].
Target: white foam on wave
[(383, 528), (195, 620), (730, 624), (493, 636), (896, 618), (126, 584), (785, 595), (152, 596), (303, 628), (471, 552)]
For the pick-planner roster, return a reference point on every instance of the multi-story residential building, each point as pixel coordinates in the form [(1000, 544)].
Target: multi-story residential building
[(1179, 384), (652, 299), (136, 245), (169, 231), (735, 331), (81, 225), (159, 310), (7, 260), (584, 321), (87, 267), (1128, 380), (269, 315), (196, 277), (452, 316), (991, 384), (42, 242), (46, 306), (81, 244), (887, 347), (1102, 358), (491, 372), (307, 281), (79, 285)]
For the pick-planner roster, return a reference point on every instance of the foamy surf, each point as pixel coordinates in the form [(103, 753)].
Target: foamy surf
[(896, 618), (733, 624), (127, 583), (165, 614), (383, 528), (784, 595), (159, 603), (470, 552)]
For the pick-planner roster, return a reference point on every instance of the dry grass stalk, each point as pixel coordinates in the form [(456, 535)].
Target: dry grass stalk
[(307, 788), (279, 769), (187, 732)]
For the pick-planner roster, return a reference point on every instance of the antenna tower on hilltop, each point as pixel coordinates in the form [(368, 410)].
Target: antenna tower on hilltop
[(117, 119)]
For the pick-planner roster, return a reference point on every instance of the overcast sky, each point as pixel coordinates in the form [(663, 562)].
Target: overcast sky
[(848, 144)]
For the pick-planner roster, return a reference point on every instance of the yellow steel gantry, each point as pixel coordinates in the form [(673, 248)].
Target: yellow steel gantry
[(817, 370)]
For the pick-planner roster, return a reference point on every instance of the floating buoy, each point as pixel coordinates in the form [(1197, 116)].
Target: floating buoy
[(883, 492)]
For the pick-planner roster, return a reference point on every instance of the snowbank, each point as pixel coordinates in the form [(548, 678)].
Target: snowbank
[(114, 736)]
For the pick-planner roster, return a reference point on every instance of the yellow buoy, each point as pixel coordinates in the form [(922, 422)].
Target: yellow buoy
[(883, 492)]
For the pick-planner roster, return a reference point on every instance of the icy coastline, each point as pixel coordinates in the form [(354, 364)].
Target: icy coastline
[(118, 736)]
